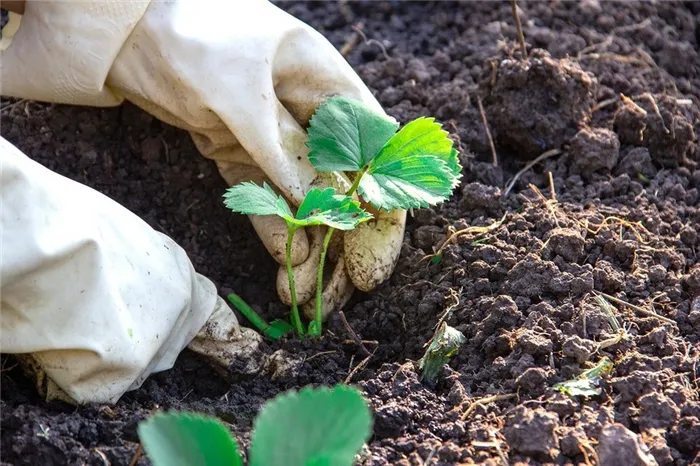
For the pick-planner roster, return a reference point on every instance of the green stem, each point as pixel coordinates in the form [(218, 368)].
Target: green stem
[(319, 281), (249, 313), (296, 320), (356, 183), (324, 250)]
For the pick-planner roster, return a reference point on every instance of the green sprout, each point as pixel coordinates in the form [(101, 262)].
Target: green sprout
[(587, 383), (414, 167), (317, 426), (274, 330), (445, 344), (319, 207)]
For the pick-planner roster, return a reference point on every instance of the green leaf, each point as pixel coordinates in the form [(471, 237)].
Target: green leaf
[(315, 426), (417, 167), (319, 207), (586, 384), (186, 439), (325, 207), (579, 387), (314, 329), (417, 182), (345, 135), (250, 199), (436, 259), (278, 328), (445, 344)]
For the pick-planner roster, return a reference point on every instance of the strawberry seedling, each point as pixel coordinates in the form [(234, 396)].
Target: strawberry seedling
[(319, 207), (414, 167), (312, 426)]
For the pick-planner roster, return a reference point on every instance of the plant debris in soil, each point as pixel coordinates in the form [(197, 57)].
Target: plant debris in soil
[(614, 90)]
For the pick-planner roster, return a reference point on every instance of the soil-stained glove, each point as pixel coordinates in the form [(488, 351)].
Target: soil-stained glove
[(242, 77), (95, 297)]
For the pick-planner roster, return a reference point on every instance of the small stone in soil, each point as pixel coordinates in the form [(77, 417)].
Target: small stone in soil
[(618, 445), (594, 149), (533, 432)]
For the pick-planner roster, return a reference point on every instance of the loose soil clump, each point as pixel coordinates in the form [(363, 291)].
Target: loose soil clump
[(614, 90)]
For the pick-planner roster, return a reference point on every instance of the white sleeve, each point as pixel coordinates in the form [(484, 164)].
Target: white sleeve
[(99, 298)]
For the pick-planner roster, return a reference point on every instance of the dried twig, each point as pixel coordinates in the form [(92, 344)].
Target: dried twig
[(636, 308), (618, 57), (137, 455), (552, 192), (102, 456), (12, 105), (652, 101), (488, 131), (541, 157), (322, 353), (588, 450), (604, 103), (352, 41), (618, 221), (486, 400), (465, 231), (632, 27), (362, 364), (548, 203), (353, 335), (519, 28), (358, 30)]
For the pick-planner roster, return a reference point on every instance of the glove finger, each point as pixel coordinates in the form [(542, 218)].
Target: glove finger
[(372, 249), (309, 69), (304, 273), (222, 341), (273, 233), (336, 293)]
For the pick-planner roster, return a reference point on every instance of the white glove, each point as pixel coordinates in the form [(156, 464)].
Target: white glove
[(241, 77), (98, 298)]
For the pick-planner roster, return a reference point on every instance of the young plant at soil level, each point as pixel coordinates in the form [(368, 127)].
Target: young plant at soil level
[(415, 167), (412, 168), (311, 427), (444, 344), (319, 207)]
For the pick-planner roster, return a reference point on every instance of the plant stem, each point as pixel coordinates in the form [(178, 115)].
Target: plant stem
[(296, 321), (324, 250), (356, 183), (248, 312), (519, 28)]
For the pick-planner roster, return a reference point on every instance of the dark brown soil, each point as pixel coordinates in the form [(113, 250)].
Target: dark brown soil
[(622, 219)]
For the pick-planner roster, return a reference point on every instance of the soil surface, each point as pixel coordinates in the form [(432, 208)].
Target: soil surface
[(609, 94)]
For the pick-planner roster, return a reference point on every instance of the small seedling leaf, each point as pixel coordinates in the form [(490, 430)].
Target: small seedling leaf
[(417, 167), (314, 426), (314, 329), (579, 387), (325, 207), (445, 344), (184, 439), (345, 135), (250, 199), (278, 328), (588, 383)]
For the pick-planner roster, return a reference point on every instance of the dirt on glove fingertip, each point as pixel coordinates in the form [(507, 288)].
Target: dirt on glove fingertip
[(613, 86)]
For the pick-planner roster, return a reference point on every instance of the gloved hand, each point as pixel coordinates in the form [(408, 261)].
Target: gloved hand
[(242, 77), (92, 297)]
